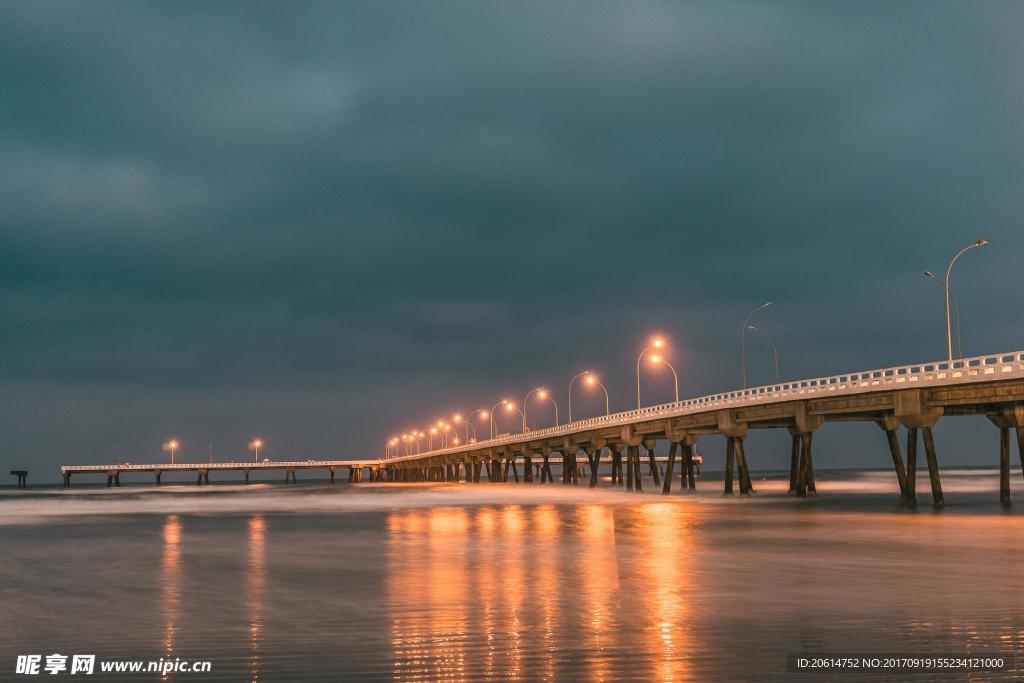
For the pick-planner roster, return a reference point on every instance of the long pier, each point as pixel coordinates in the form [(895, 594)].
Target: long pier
[(911, 398), (202, 470)]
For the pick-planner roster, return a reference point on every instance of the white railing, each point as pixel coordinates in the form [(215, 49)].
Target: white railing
[(124, 467), (961, 371)]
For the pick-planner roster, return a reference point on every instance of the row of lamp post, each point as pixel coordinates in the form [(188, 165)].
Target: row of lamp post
[(653, 351), (172, 445)]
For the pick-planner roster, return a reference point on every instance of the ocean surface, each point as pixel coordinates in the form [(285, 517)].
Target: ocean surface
[(314, 582)]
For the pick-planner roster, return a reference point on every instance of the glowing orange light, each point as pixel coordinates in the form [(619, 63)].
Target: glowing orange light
[(171, 445), (509, 406), (484, 414), (657, 342), (655, 358), (433, 430), (457, 418), (590, 379), (256, 443), (542, 393)]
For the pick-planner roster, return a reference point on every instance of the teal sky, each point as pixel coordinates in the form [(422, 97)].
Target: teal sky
[(325, 223)]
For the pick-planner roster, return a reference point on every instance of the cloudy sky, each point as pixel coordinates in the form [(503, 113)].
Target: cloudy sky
[(325, 223)]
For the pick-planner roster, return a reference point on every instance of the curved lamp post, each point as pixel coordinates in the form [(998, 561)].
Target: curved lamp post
[(743, 340), (469, 421), (656, 343), (574, 378), (592, 380), (256, 445), (542, 394), (949, 271), (775, 349), (956, 308), (510, 406), (655, 358), (171, 447), (503, 401)]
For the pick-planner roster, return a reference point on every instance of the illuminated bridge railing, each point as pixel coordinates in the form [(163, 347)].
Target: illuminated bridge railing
[(961, 371), (236, 465)]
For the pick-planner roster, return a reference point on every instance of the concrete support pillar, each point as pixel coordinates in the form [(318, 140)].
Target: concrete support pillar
[(933, 466), (673, 447), (805, 477), (527, 468), (331, 470), (616, 452), (246, 471), (730, 457), (794, 459), (652, 462), (594, 457), (1004, 465), (630, 477), (688, 466), (746, 486), (67, 480), (157, 476), (911, 465)]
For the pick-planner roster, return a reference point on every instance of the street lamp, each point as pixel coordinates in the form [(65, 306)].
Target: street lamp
[(656, 343), (655, 359), (490, 413), (592, 380), (541, 394), (743, 340), (171, 446), (956, 308), (469, 421), (574, 378), (510, 406), (949, 273), (255, 445), (775, 349)]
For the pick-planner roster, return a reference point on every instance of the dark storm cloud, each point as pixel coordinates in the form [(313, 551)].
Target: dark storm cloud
[(327, 220)]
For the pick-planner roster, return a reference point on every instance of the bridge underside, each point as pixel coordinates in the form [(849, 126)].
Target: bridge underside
[(915, 411)]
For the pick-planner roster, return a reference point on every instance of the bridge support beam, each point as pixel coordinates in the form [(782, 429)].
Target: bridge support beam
[(1008, 417), (911, 496), (734, 432), (688, 463), (331, 470), (805, 476), (652, 463), (157, 475), (246, 470), (202, 475), (594, 458), (890, 424), (794, 459), (616, 453), (67, 480), (289, 475), (545, 470), (673, 448), (913, 412), (933, 466), (527, 467)]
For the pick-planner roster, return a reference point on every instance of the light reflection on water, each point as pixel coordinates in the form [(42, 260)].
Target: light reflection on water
[(170, 583), (563, 584)]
